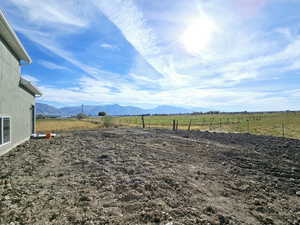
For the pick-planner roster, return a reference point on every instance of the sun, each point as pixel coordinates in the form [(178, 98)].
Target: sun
[(198, 35)]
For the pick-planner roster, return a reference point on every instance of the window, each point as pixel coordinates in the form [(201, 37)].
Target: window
[(4, 130)]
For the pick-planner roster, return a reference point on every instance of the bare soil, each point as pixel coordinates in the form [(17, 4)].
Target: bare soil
[(134, 176)]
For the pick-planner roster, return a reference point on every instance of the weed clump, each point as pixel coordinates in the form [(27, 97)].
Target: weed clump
[(107, 121)]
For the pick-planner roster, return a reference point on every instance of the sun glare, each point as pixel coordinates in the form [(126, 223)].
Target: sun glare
[(198, 35)]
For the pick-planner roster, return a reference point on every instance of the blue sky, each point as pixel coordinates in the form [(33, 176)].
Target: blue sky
[(227, 55)]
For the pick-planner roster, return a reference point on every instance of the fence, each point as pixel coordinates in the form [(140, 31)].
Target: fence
[(286, 125)]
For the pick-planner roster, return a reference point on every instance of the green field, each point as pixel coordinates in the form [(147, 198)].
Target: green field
[(277, 124)]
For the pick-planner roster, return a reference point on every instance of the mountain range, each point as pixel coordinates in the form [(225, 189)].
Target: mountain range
[(113, 110)]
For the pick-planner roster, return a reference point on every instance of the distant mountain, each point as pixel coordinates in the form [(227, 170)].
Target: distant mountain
[(165, 109), (113, 110), (109, 109), (49, 110)]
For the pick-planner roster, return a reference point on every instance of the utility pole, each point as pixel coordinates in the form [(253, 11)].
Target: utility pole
[(82, 108)]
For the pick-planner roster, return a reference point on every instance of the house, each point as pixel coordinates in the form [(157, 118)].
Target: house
[(17, 95)]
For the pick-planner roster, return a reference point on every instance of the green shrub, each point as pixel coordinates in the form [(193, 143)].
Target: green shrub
[(81, 116), (107, 121)]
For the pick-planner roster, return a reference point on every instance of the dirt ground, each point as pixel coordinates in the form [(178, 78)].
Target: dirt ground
[(134, 176)]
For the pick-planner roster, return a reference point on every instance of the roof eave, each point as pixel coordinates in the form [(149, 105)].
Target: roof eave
[(10, 37), (30, 88)]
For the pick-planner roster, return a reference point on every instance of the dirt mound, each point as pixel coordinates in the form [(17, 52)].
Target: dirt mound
[(135, 176)]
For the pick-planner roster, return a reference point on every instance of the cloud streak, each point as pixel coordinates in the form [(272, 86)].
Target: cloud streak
[(52, 66), (52, 13)]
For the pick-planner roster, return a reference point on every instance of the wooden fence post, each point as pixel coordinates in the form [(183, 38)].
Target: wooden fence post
[(143, 121), (190, 123), (248, 126), (283, 130), (174, 124)]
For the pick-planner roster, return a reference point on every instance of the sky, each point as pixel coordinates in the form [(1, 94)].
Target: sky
[(231, 55)]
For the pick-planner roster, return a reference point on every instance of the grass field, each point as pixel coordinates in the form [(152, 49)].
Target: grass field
[(275, 124), (52, 125)]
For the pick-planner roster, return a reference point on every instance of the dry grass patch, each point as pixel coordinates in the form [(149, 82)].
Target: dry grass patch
[(51, 125)]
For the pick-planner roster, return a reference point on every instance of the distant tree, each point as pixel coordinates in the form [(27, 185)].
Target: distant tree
[(81, 116), (196, 113), (101, 113), (213, 112), (40, 116)]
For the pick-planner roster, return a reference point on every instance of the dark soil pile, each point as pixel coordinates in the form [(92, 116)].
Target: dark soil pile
[(134, 176)]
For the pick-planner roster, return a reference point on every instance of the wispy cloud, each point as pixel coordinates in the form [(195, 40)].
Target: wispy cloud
[(42, 39), (52, 66), (133, 27), (117, 11), (108, 46), (53, 12)]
